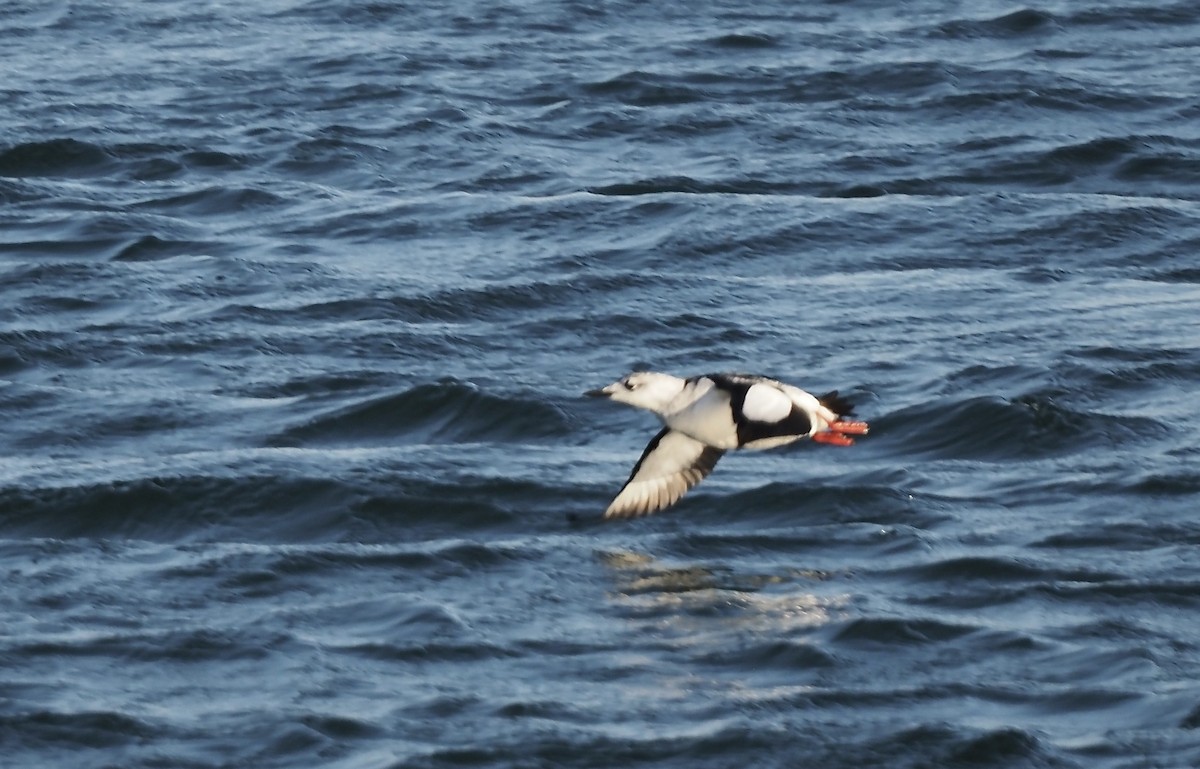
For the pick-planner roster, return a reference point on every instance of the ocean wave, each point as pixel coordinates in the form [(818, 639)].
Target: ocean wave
[(1182, 484), (335, 156), (65, 246), (747, 41), (188, 646), (253, 507), (994, 570), (45, 730), (997, 429), (788, 84), (56, 158), (487, 302), (1126, 535), (893, 632), (783, 654), (1106, 165), (1181, 594), (448, 412), (704, 746), (426, 651), (144, 161), (1020, 23), (435, 560), (1123, 373), (1178, 274), (153, 247), (1103, 163), (319, 384), (818, 503), (690, 186), (647, 89), (1133, 158), (217, 199), (1131, 16), (943, 745), (974, 583)]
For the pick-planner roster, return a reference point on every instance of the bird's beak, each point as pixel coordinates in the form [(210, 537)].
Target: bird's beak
[(603, 392)]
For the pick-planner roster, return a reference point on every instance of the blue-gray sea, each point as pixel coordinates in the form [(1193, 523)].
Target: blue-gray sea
[(298, 299)]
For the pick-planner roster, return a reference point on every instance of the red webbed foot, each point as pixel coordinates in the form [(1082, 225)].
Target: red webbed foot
[(833, 439), (837, 432)]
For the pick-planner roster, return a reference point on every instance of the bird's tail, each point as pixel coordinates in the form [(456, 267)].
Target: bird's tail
[(836, 403)]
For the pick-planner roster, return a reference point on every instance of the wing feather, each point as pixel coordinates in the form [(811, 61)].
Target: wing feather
[(671, 464)]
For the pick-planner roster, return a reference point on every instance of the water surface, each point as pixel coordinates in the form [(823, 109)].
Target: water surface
[(298, 299)]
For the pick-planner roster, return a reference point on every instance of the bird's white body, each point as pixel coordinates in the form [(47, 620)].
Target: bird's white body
[(705, 416)]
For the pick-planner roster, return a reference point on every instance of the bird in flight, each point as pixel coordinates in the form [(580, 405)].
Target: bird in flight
[(704, 417)]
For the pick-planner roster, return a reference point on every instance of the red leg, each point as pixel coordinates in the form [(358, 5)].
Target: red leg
[(833, 439)]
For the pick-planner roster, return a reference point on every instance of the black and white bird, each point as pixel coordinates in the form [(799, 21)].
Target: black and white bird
[(704, 417)]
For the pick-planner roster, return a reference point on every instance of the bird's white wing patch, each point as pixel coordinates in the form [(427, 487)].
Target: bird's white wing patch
[(671, 464), (766, 403)]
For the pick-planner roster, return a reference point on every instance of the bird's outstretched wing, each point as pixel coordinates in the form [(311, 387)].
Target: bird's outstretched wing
[(671, 464)]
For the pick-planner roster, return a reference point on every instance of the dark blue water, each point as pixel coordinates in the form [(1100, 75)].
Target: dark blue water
[(298, 299)]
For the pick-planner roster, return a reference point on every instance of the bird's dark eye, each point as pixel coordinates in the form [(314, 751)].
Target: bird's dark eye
[(629, 385)]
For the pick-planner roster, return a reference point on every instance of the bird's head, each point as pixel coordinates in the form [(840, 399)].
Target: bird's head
[(648, 390)]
